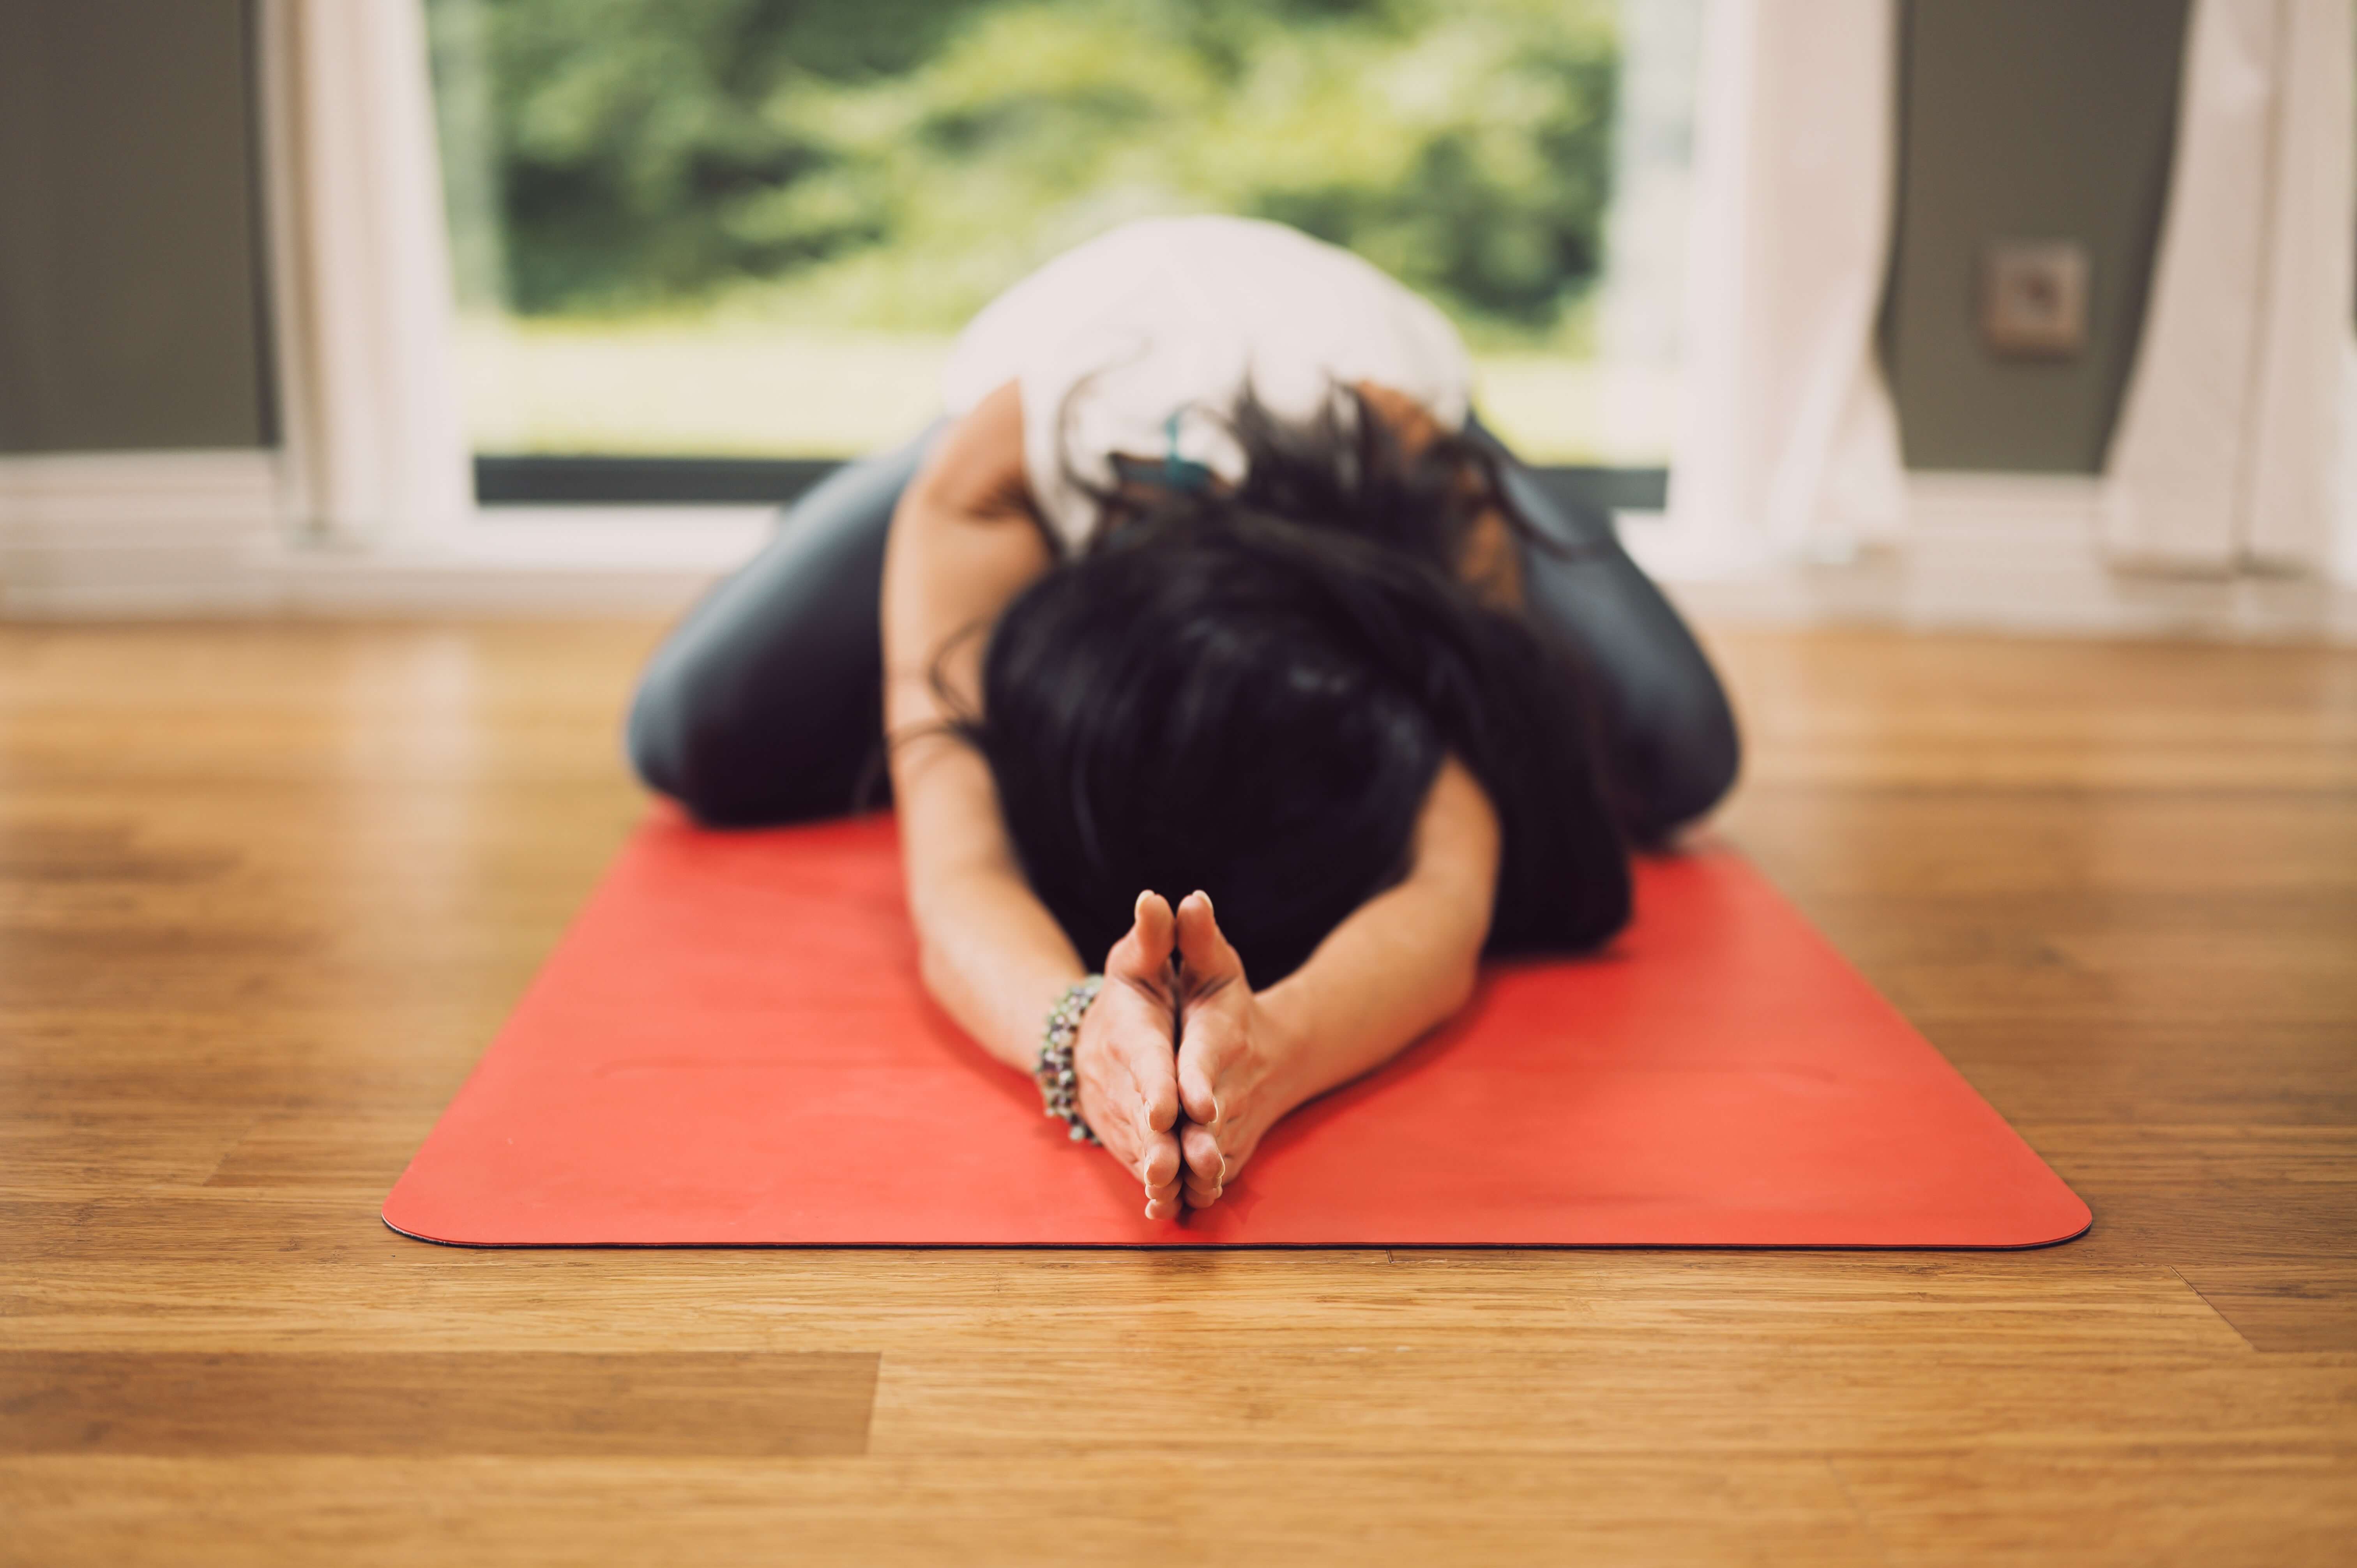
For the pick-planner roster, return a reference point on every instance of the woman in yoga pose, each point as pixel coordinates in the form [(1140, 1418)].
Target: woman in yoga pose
[(1217, 646)]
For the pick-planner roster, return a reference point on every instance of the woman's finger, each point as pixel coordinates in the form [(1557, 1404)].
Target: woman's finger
[(1206, 1169), (1205, 1161), (1197, 1095), (1157, 1076), (1210, 961), (1163, 1198), (1158, 1161), (1145, 1088), (1130, 1106), (1142, 957)]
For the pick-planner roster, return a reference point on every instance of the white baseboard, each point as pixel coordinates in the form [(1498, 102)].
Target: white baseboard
[(151, 535), (133, 532), (534, 561), (2004, 553), (155, 535)]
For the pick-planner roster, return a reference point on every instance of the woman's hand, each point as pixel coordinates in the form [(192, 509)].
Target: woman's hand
[(1233, 1079), (1124, 1057)]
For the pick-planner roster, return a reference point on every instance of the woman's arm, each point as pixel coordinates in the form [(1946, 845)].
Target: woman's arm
[(1402, 963), (963, 544)]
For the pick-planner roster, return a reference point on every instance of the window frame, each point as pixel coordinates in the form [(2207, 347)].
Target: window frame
[(603, 479)]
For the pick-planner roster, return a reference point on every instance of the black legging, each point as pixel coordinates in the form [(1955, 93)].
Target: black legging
[(766, 705)]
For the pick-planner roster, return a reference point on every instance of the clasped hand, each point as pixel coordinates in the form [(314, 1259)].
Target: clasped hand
[(1180, 1064)]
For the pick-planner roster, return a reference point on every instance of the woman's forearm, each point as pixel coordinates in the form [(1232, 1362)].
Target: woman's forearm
[(991, 954), (963, 544), (1403, 964), (995, 960), (1405, 961)]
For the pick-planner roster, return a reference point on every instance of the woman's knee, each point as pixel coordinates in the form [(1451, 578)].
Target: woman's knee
[(732, 763), (1711, 753), (1692, 752), (764, 703), (659, 735), (686, 740), (697, 765)]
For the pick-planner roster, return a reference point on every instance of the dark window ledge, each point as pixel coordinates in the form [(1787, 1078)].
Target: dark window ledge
[(757, 481)]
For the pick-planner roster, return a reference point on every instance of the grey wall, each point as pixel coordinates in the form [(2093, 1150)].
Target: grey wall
[(129, 313), (2024, 118)]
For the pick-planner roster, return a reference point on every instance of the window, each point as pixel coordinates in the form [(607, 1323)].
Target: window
[(706, 246)]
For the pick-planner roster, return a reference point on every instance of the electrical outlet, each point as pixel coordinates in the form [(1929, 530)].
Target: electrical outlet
[(2034, 298)]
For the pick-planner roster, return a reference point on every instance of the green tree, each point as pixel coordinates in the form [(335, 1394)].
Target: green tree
[(894, 163)]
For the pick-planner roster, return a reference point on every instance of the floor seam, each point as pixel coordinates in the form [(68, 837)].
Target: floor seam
[(2214, 1311), (1857, 1512)]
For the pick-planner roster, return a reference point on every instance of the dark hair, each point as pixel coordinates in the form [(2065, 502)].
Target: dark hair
[(1251, 691)]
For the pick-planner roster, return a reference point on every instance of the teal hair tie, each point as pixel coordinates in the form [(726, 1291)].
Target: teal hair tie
[(1182, 474)]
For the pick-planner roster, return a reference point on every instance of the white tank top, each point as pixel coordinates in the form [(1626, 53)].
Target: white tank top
[(1139, 341)]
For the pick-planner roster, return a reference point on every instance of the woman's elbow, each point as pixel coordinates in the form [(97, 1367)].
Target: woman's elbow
[(1462, 981), (934, 970)]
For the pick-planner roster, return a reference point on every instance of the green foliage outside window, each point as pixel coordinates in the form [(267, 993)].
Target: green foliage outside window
[(892, 164)]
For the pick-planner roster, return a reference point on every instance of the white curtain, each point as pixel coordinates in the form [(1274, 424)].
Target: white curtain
[(376, 451), (2227, 452), (1787, 440), (2342, 567)]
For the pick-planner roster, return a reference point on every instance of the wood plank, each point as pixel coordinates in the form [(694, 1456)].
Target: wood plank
[(1814, 1390), (309, 1151), (2258, 1505), (1310, 1509), (2303, 1304), (2209, 1193), (545, 1403), (155, 1263)]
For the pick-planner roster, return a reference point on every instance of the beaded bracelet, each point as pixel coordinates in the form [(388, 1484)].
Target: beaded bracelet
[(1060, 1087)]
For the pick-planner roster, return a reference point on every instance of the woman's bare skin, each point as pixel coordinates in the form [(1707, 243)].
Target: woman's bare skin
[(1184, 1123)]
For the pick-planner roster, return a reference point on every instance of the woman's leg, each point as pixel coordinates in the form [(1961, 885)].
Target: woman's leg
[(1668, 727), (766, 703)]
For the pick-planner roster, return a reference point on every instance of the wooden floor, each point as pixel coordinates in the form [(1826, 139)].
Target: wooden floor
[(265, 892)]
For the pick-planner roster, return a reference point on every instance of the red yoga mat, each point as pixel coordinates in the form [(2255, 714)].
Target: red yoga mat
[(731, 1047)]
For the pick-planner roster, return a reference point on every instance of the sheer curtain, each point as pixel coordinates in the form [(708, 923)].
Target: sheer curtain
[(360, 250), (2230, 448), (1787, 442)]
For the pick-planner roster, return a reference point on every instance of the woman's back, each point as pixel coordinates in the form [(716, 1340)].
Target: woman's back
[(1142, 341)]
